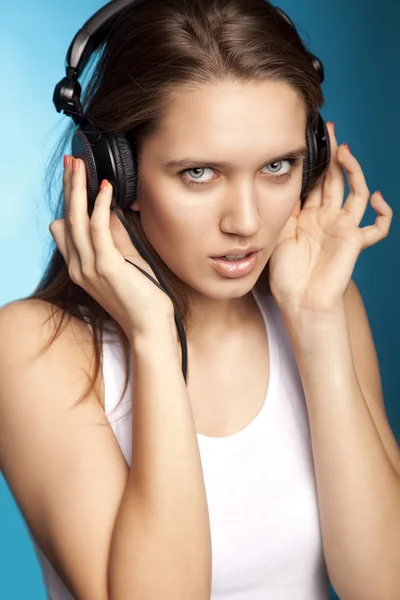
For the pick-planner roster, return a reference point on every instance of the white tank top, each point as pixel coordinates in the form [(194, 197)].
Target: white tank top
[(260, 484)]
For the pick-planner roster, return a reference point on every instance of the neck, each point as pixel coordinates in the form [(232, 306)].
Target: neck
[(214, 317)]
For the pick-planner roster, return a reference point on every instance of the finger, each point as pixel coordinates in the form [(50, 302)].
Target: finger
[(103, 243), (71, 252), (78, 219), (66, 194), (334, 181), (358, 198), (57, 231), (315, 197), (290, 227), (67, 178), (380, 229), (126, 246)]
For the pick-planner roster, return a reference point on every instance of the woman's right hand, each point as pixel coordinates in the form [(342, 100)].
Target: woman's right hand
[(94, 249)]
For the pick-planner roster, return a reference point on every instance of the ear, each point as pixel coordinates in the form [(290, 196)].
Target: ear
[(135, 206)]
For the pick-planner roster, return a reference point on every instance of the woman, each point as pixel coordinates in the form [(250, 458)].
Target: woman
[(231, 484)]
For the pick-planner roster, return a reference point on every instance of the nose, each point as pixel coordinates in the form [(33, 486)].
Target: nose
[(240, 215)]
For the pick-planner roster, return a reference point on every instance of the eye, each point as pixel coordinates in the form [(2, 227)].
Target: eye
[(197, 175), (278, 171), (277, 167)]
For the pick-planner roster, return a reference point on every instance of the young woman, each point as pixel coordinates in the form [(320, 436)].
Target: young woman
[(273, 468)]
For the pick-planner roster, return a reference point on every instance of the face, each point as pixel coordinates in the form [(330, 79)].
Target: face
[(193, 212)]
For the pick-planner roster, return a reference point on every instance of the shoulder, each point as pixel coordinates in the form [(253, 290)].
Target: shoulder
[(33, 321), (28, 326)]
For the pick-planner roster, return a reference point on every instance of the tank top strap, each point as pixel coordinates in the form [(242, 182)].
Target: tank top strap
[(116, 406)]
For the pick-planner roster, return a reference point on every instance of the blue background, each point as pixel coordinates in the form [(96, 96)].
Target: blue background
[(355, 41)]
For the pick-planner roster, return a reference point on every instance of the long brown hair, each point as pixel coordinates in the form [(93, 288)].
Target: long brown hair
[(153, 51)]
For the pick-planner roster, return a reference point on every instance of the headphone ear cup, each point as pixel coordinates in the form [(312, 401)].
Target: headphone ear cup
[(82, 148), (106, 156), (125, 169), (309, 163), (318, 156)]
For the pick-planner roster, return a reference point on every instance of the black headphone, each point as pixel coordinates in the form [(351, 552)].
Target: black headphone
[(111, 156)]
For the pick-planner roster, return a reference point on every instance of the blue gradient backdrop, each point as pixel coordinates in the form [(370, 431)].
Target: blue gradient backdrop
[(356, 42)]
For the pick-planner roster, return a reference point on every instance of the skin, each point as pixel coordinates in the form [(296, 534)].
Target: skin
[(242, 204)]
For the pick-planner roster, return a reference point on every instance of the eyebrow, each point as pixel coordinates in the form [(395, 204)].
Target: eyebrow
[(198, 162)]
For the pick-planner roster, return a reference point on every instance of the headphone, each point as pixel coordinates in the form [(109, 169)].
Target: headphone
[(111, 156)]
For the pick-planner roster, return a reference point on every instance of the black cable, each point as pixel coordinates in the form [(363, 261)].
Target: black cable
[(162, 286)]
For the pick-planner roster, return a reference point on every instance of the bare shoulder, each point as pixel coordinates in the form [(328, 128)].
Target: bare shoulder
[(33, 317), (59, 457), (27, 326)]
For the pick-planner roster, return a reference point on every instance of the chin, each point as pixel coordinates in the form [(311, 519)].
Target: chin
[(226, 288)]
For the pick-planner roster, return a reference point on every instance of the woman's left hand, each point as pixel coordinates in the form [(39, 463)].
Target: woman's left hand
[(313, 261)]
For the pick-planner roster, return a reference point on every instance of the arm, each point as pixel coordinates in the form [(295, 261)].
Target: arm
[(69, 478), (60, 459), (358, 488), (161, 544)]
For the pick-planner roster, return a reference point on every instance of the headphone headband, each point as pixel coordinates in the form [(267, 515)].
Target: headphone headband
[(317, 64), (89, 38), (92, 34)]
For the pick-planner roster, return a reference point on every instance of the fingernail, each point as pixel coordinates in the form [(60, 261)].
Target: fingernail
[(66, 161), (104, 184), (75, 165), (332, 124), (347, 147)]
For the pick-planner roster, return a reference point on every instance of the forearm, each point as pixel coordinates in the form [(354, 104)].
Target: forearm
[(161, 546), (358, 489)]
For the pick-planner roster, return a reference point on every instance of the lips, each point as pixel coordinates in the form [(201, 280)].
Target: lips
[(238, 251), (235, 268), (242, 256)]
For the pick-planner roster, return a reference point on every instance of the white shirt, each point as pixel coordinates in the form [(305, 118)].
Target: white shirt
[(260, 484)]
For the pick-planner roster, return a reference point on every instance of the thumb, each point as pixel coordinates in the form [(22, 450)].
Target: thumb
[(57, 231), (297, 208), (289, 230)]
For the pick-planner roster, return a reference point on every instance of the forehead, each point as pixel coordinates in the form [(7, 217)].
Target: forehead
[(222, 117)]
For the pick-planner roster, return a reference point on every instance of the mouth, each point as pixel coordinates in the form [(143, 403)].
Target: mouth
[(232, 267), (234, 257), (237, 254)]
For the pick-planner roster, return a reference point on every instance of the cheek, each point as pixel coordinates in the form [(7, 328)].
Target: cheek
[(174, 234), (275, 215)]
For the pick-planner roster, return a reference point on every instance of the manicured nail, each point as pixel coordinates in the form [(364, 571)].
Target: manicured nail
[(75, 165), (347, 147), (103, 185), (66, 161)]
